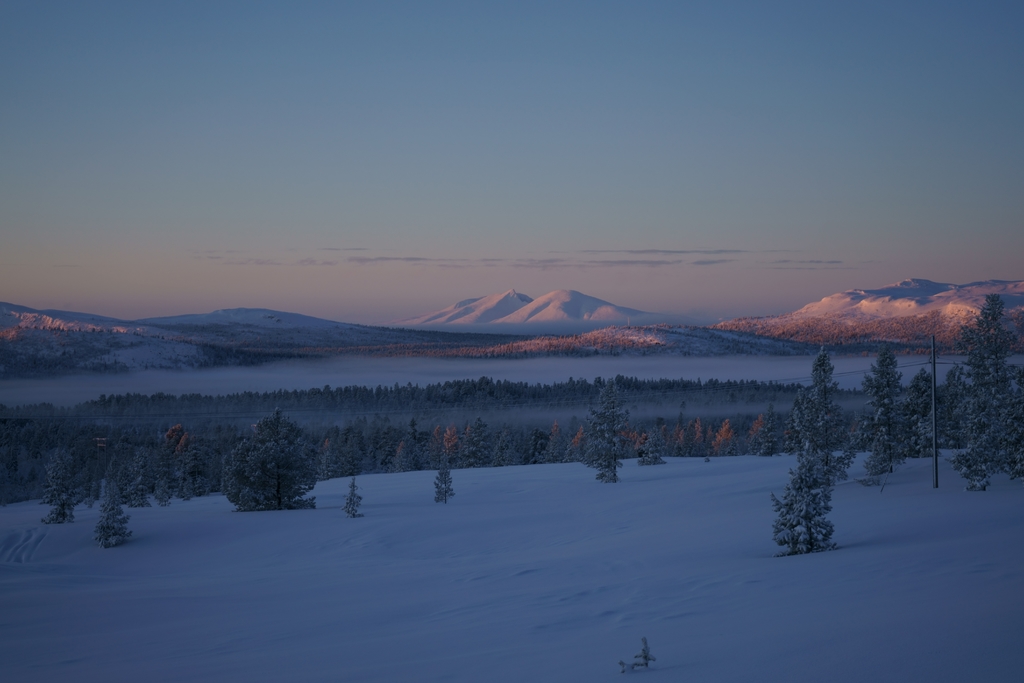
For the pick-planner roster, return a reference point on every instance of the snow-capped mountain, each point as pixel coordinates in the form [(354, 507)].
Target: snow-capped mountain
[(562, 306), (485, 309), (907, 312), (913, 297)]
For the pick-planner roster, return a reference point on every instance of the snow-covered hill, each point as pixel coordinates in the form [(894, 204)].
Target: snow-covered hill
[(47, 343), (41, 343), (535, 573), (913, 297), (487, 309), (562, 306), (255, 317), (907, 312)]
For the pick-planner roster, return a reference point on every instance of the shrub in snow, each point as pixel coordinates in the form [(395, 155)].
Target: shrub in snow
[(62, 492), (606, 441), (647, 451), (989, 399), (112, 527), (443, 481), (883, 427), (352, 500), (644, 657), (273, 469)]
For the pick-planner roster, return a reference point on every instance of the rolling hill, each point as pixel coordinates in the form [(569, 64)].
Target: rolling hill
[(906, 313)]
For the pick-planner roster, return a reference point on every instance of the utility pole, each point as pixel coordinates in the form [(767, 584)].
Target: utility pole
[(935, 421)]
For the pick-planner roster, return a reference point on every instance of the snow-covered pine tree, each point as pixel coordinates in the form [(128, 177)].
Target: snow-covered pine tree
[(324, 464), (916, 416), (474, 445), (62, 492), (399, 461), (557, 444), (1015, 432), (987, 344), (112, 527), (649, 448), (137, 493), (815, 433), (577, 448), (952, 399), (191, 457), (162, 490), (605, 441), (505, 450), (273, 469), (816, 427), (352, 500), (884, 426), (443, 481), (762, 439), (801, 525), (644, 658)]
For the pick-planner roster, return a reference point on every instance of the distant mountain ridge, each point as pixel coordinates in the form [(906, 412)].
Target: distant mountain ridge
[(908, 312), (514, 308), (36, 343)]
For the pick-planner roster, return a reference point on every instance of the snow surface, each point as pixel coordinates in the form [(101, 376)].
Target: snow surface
[(529, 573)]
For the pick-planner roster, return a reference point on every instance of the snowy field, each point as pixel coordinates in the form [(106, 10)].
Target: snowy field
[(348, 370), (532, 573)]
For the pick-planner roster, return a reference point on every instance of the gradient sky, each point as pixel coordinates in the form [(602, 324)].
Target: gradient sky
[(370, 161)]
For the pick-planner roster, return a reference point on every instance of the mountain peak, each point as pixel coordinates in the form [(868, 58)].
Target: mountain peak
[(512, 307)]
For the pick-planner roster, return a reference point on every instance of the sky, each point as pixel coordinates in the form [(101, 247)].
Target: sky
[(371, 161)]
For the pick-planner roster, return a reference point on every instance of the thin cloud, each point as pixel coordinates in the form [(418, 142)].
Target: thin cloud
[(252, 262), (814, 262), (314, 262), (712, 261), (342, 249), (667, 252)]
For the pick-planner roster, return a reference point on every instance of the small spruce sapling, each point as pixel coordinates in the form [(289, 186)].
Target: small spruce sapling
[(112, 528), (644, 657), (352, 500)]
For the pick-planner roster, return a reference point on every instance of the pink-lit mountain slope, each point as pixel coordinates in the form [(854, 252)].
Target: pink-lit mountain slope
[(486, 309), (906, 313), (513, 308)]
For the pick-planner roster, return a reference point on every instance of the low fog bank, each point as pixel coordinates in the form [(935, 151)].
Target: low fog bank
[(366, 371)]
